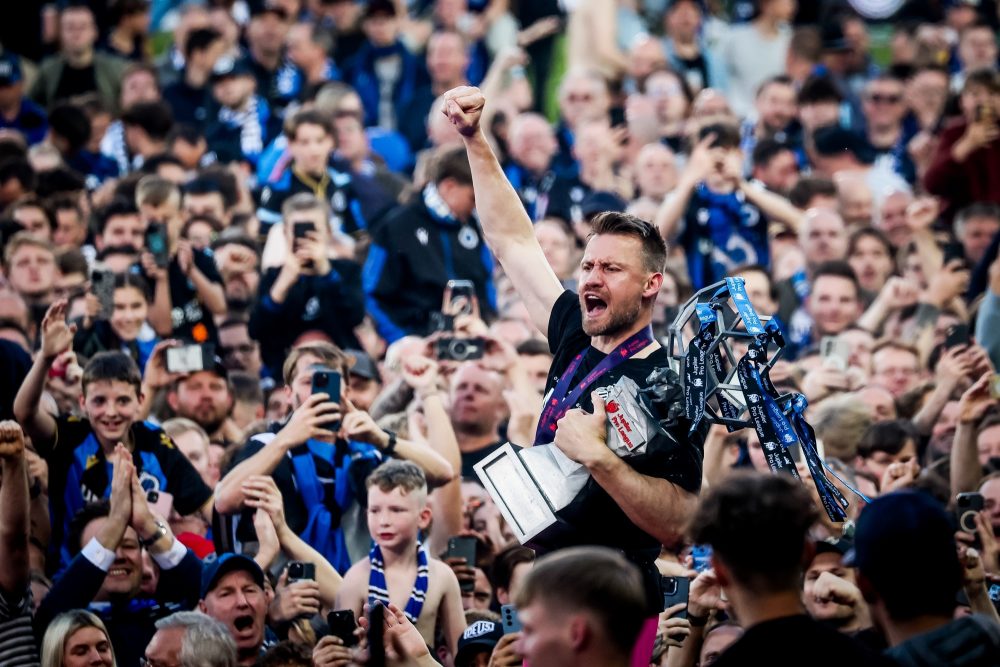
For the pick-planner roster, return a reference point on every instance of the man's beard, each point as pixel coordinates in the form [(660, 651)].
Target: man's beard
[(211, 421), (619, 320)]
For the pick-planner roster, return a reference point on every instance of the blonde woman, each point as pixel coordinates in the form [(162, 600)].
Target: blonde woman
[(77, 638)]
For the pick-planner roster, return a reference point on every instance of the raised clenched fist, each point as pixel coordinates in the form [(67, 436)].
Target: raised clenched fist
[(11, 440), (464, 107)]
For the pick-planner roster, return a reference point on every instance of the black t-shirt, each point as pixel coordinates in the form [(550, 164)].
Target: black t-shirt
[(190, 317), (182, 481), (76, 81), (695, 71), (796, 641), (598, 519), (470, 459)]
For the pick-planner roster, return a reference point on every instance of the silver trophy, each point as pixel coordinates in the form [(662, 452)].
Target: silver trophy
[(531, 486)]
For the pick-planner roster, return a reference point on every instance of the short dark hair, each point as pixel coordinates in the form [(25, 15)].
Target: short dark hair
[(818, 89), (59, 181), (112, 366), (592, 579), (80, 520), (71, 260), (119, 206), (452, 163), (154, 162), (31, 201), (224, 182), (727, 135), (838, 269), (245, 387), (984, 78), (870, 233), (286, 654), (888, 436), (809, 187), (752, 508), (136, 281), (308, 117), (72, 124), (505, 561), (768, 149), (779, 80), (154, 118), (654, 248), (19, 169), (200, 40)]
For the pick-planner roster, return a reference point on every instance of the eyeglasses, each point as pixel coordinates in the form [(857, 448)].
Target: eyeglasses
[(878, 98), (579, 98)]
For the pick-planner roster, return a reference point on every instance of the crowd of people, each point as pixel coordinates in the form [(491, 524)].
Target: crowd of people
[(278, 274)]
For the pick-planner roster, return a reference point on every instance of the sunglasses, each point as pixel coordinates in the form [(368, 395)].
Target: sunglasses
[(878, 98)]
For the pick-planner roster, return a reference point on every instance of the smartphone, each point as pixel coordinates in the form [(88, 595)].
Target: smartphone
[(834, 352), (327, 381), (459, 349), (442, 322), (459, 297), (675, 591), (984, 113), (994, 594), (161, 502), (701, 557), (156, 243), (508, 616), (464, 547), (953, 251), (343, 625), (190, 358), (299, 570), (376, 635), (957, 336), (102, 282), (967, 505), (301, 228)]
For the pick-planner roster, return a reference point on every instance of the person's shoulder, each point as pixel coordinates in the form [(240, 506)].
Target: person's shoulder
[(566, 322), (150, 436)]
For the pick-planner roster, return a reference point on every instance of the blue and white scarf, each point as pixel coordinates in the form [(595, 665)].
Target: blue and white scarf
[(378, 590), (251, 126)]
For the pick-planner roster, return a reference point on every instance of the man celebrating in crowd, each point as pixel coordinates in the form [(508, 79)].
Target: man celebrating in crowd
[(287, 232), (634, 505)]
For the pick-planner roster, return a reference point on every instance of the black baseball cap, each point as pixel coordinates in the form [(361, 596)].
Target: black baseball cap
[(10, 69), (228, 66), (900, 538), (364, 366), (269, 8), (480, 637), (215, 570)]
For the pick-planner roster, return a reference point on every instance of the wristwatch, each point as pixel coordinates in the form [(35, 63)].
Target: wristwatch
[(161, 530), (390, 446)]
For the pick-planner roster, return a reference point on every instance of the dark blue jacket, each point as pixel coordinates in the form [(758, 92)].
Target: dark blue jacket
[(415, 251), (360, 73)]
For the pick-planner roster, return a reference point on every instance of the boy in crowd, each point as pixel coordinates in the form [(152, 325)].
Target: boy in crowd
[(78, 451), (310, 144), (399, 568)]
